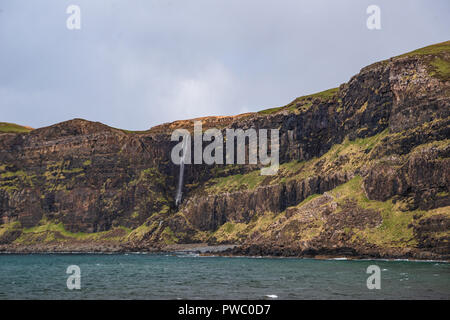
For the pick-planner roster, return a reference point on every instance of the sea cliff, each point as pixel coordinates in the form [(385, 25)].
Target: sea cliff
[(364, 172)]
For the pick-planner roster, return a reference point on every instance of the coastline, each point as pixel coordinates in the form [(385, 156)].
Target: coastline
[(200, 248), (229, 250)]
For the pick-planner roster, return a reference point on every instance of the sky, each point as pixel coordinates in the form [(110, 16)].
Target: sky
[(134, 64)]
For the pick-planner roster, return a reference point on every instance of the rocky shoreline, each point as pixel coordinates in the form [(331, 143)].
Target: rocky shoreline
[(200, 248), (327, 253), (204, 249)]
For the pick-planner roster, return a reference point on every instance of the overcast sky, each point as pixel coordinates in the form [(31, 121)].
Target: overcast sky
[(135, 64)]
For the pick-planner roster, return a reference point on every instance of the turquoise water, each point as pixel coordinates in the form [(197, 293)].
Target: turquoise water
[(150, 276)]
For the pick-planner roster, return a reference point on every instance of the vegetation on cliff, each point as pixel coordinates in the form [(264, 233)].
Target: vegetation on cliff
[(6, 127)]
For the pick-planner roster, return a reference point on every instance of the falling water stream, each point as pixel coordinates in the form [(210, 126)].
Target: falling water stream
[(180, 179)]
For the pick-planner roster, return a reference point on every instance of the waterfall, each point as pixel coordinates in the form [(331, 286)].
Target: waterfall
[(180, 178)]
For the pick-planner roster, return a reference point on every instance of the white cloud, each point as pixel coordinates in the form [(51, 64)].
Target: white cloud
[(210, 91)]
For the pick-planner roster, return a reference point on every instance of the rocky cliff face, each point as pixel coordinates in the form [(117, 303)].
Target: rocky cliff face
[(365, 170)]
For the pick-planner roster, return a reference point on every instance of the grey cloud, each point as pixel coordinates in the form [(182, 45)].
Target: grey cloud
[(136, 63)]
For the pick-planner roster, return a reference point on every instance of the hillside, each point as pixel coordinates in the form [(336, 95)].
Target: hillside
[(365, 171), (6, 127)]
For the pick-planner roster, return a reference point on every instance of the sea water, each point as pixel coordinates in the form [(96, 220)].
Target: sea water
[(189, 276)]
